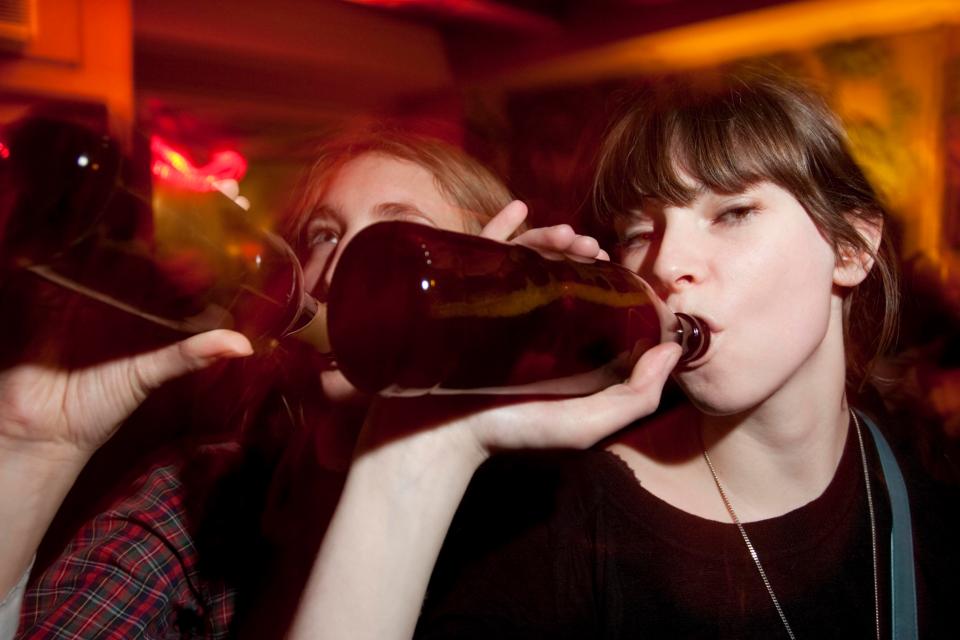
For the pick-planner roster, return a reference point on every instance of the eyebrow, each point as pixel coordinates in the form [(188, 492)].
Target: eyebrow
[(634, 215), (387, 209), (324, 211), (381, 210)]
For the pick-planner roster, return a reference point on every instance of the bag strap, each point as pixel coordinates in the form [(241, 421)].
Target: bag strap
[(903, 607)]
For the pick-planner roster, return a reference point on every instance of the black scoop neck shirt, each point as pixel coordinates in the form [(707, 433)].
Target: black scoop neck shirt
[(570, 545)]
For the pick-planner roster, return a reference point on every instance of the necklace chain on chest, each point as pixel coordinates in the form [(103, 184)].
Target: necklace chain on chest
[(756, 558)]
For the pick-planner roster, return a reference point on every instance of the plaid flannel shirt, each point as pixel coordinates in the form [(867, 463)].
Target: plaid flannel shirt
[(131, 572)]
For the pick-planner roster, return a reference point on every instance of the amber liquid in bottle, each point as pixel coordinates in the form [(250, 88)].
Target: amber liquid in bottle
[(413, 310)]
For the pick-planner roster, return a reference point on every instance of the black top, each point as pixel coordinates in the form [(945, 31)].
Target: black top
[(570, 545)]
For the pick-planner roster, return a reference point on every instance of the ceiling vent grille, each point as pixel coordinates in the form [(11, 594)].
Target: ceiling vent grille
[(17, 22)]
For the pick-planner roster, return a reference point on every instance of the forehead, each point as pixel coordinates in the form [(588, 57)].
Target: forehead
[(376, 176), (374, 185)]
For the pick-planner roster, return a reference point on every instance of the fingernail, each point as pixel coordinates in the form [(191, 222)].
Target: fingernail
[(668, 359)]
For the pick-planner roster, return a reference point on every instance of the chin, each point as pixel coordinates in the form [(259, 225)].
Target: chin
[(717, 399), (724, 408), (338, 389)]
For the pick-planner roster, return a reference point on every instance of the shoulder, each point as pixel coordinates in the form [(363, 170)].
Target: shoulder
[(161, 507), (516, 547), (661, 451), (132, 569)]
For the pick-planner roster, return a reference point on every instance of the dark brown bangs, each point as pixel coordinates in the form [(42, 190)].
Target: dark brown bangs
[(723, 137)]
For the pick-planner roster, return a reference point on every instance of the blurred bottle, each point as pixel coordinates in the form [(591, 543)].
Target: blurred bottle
[(413, 309), (186, 260)]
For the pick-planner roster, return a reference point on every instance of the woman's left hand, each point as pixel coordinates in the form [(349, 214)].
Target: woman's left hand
[(558, 241)]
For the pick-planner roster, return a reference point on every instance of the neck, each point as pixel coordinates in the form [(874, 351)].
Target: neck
[(782, 453), (772, 458), (771, 467)]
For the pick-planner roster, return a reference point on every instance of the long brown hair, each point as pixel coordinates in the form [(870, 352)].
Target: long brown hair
[(729, 130)]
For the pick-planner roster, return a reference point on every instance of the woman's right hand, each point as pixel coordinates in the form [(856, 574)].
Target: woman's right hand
[(53, 417), (47, 407)]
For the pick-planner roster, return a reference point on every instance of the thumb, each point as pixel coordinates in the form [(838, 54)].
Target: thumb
[(619, 405), (152, 369), (653, 368)]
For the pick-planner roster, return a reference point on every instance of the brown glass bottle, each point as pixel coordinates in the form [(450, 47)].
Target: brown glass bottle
[(185, 260), (413, 309)]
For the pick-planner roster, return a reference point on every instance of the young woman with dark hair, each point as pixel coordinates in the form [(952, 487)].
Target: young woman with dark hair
[(763, 508)]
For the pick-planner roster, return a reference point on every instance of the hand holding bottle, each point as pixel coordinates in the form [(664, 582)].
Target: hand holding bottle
[(53, 418), (43, 405), (487, 424), (574, 422)]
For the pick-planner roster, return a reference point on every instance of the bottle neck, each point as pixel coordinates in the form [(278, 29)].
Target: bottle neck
[(311, 325), (693, 335)]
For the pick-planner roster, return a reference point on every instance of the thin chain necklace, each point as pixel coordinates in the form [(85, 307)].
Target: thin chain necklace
[(756, 558)]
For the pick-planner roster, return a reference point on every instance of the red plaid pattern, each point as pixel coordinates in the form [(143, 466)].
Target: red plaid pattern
[(131, 572)]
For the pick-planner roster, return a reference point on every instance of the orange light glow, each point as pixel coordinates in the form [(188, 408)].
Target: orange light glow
[(790, 26), (175, 168)]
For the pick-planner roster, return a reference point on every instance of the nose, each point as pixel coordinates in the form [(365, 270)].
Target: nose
[(315, 269), (677, 261), (318, 268), (331, 264), (334, 257)]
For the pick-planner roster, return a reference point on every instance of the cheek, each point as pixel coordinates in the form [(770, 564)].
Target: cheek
[(785, 281), (787, 310), (312, 271), (776, 312), (632, 260)]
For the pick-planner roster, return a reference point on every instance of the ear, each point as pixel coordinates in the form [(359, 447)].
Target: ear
[(852, 264)]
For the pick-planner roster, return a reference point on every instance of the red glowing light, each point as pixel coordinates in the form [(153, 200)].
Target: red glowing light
[(175, 168), (4, 151), (488, 11)]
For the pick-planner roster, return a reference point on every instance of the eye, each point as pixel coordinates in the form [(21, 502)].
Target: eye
[(735, 215), (638, 239), (320, 235), (319, 241)]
